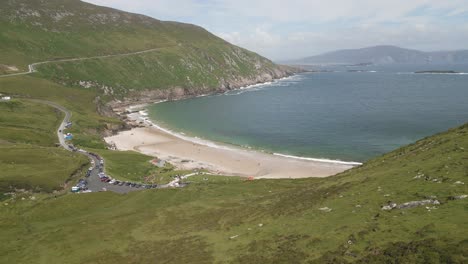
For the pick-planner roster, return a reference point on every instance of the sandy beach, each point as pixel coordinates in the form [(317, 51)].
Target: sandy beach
[(219, 159)]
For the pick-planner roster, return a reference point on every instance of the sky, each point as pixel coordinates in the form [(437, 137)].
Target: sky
[(281, 30)]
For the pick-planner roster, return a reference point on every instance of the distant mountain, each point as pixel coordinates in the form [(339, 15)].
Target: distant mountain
[(386, 55)]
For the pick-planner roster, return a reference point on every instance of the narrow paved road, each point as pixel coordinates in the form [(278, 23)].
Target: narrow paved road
[(33, 67), (94, 182)]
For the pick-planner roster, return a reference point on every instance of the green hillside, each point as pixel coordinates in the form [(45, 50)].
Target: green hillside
[(215, 219), (230, 220), (28, 156), (183, 56)]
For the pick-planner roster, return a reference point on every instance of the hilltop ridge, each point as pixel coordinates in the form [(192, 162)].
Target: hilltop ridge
[(187, 59), (385, 54)]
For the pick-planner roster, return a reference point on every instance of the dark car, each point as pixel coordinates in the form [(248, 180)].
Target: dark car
[(138, 186), (116, 182), (128, 183), (147, 186), (154, 186), (133, 184)]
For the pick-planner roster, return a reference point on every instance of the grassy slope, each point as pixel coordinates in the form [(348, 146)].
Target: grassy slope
[(275, 220), (28, 158), (41, 169), (194, 224), (168, 67), (133, 166), (26, 122), (34, 123), (190, 56), (88, 123)]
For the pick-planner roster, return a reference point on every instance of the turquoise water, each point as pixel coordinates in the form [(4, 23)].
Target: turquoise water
[(344, 115)]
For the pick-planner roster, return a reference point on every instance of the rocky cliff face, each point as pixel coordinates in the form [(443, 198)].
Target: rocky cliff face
[(176, 93)]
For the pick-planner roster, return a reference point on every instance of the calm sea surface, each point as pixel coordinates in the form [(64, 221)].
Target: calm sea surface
[(345, 114)]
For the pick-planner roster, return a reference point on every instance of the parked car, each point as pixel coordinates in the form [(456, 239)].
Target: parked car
[(112, 181), (116, 182), (121, 183), (127, 183), (133, 184)]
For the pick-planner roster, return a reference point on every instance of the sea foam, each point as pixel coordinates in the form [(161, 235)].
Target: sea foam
[(320, 160)]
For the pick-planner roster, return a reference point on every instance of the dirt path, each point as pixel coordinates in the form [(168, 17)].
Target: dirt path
[(33, 67)]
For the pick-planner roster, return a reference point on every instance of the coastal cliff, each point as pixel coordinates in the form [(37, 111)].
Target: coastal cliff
[(124, 57), (177, 93)]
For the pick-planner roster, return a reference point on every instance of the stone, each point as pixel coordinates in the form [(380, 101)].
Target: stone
[(459, 197), (389, 207), (413, 204)]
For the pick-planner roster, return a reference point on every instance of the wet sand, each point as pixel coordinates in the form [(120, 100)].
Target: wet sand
[(224, 160)]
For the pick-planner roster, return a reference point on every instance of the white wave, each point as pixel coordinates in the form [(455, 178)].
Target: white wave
[(285, 81), (319, 160), (435, 73), (211, 144), (182, 136)]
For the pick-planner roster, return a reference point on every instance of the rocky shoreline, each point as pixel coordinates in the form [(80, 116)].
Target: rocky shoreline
[(179, 93), (120, 108)]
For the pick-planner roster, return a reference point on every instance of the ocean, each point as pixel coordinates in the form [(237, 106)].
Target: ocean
[(340, 113)]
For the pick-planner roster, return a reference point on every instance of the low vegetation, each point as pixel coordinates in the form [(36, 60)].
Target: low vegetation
[(215, 219), (23, 121), (41, 169), (233, 220), (28, 156), (185, 56), (88, 126), (133, 166)]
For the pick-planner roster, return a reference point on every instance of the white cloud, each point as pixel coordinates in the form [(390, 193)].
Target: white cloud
[(280, 29)]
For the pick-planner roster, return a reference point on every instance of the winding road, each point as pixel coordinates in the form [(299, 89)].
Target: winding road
[(94, 182), (33, 67)]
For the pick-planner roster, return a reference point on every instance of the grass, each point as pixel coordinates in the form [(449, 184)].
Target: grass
[(189, 56), (215, 219), (28, 122), (231, 220), (158, 70), (42, 169), (28, 156), (133, 166), (83, 104)]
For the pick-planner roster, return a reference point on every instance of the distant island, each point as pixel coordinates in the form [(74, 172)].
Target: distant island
[(385, 54)]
